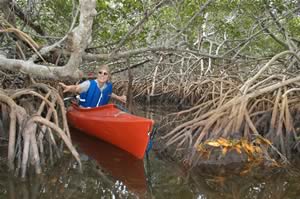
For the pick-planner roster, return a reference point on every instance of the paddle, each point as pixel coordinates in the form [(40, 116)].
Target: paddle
[(150, 143), (69, 98), (122, 108)]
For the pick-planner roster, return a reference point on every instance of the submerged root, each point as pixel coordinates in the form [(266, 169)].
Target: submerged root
[(262, 108), (37, 118)]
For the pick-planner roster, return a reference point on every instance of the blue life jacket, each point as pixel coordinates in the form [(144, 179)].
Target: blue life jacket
[(94, 97)]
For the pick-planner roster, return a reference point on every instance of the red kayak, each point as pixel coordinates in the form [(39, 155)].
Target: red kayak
[(126, 131)]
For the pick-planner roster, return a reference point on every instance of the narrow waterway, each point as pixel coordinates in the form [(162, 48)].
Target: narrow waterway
[(109, 172)]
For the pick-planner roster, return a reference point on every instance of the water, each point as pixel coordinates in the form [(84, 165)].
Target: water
[(109, 172)]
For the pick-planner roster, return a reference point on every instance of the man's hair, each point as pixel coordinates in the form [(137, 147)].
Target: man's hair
[(104, 67)]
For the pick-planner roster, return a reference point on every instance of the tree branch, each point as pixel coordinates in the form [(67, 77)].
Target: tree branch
[(147, 15), (130, 53), (192, 19), (36, 70), (19, 12)]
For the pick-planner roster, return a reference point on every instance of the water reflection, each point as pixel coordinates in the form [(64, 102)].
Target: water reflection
[(276, 183), (124, 167)]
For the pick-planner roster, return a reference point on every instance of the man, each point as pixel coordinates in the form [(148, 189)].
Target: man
[(96, 92)]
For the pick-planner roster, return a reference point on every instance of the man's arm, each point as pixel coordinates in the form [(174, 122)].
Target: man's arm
[(122, 98), (71, 88)]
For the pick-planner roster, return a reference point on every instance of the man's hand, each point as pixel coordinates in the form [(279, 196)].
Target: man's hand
[(67, 88), (122, 98)]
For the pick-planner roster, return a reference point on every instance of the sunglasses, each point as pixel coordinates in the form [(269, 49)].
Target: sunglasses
[(102, 73)]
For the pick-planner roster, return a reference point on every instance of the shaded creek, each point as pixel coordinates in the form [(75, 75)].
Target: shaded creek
[(109, 172)]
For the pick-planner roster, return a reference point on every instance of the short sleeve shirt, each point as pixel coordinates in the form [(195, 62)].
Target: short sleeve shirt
[(86, 84)]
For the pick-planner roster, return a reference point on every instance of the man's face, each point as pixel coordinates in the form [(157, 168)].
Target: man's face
[(102, 76)]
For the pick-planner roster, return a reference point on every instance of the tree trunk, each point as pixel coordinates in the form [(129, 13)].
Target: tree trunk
[(79, 38)]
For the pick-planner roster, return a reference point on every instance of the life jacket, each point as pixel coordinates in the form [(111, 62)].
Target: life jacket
[(94, 96)]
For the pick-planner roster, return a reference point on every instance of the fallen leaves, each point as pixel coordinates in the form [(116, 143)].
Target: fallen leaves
[(253, 149)]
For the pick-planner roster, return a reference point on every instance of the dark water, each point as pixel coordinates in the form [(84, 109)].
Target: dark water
[(112, 173)]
